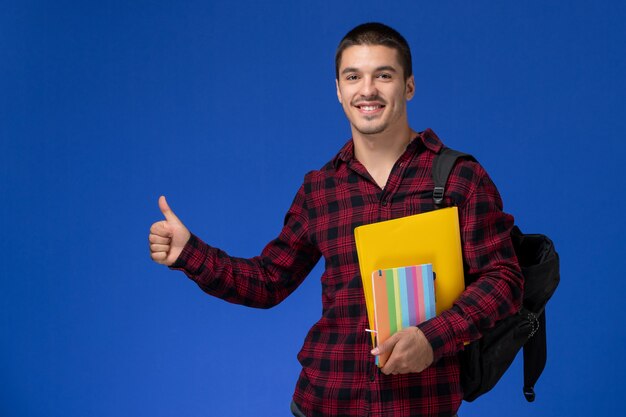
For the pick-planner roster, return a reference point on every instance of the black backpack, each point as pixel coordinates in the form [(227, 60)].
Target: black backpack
[(484, 361)]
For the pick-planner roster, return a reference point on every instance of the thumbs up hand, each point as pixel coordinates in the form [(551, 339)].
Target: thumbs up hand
[(167, 237)]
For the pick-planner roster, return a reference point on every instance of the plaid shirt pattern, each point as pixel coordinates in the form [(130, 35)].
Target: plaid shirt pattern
[(339, 376)]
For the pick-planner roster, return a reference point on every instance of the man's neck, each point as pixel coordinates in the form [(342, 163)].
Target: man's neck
[(378, 153)]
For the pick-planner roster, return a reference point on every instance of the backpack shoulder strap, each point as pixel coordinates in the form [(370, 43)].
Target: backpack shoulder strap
[(442, 167)]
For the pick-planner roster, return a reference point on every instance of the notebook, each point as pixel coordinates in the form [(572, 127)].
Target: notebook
[(402, 297)]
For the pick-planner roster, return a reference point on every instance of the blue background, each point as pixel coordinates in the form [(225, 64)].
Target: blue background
[(223, 107)]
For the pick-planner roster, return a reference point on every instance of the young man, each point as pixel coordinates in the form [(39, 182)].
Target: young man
[(383, 172)]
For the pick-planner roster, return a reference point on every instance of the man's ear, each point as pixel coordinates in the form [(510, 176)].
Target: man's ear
[(410, 88), (338, 92)]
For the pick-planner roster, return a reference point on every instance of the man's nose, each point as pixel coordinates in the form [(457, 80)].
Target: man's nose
[(368, 87)]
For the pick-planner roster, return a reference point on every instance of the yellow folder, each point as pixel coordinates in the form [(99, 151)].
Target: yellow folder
[(427, 238)]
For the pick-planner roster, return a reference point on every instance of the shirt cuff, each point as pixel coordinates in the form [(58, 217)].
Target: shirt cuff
[(444, 333), (193, 257)]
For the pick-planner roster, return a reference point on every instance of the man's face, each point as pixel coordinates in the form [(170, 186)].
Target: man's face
[(372, 89)]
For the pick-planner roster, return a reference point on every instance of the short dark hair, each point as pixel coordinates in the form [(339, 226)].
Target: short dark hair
[(374, 33)]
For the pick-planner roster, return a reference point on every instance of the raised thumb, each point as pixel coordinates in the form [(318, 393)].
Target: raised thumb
[(167, 211)]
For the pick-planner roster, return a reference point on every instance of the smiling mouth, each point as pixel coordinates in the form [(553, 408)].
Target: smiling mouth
[(370, 108)]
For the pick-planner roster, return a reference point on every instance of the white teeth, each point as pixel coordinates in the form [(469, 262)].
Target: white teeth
[(369, 108)]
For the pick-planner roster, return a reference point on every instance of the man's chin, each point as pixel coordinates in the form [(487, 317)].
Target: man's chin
[(370, 130)]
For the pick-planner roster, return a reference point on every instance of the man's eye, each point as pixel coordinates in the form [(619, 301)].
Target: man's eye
[(351, 77), (384, 76)]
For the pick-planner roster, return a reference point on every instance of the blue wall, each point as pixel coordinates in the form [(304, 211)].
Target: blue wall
[(223, 107)]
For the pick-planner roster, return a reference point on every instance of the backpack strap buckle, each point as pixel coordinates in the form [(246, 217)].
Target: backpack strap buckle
[(438, 194)]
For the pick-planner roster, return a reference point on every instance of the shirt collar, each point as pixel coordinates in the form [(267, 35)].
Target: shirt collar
[(427, 138)]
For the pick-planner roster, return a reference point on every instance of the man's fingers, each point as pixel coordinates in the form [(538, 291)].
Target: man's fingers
[(161, 229), (159, 248), (387, 346), (389, 368), (385, 349), (158, 257), (167, 211), (160, 240)]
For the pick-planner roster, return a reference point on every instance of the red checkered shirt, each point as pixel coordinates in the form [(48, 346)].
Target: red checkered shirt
[(339, 376)]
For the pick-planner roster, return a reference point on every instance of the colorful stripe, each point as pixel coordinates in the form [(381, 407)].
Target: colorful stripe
[(411, 291), (419, 280), (397, 299), (391, 301), (403, 297), (424, 272)]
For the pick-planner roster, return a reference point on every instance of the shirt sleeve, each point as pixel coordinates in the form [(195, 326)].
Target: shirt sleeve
[(492, 273), (262, 281)]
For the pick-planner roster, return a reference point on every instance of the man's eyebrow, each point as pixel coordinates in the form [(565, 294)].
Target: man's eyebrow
[(386, 68), (389, 68), (349, 70)]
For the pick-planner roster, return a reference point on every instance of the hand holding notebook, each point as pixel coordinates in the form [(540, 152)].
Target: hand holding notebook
[(410, 351), (402, 297)]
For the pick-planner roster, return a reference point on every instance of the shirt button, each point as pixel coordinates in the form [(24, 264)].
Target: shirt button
[(384, 203)]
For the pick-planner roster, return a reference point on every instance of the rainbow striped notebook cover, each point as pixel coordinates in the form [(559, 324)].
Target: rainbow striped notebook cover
[(403, 297)]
